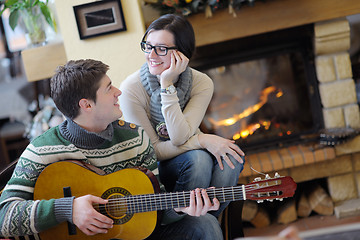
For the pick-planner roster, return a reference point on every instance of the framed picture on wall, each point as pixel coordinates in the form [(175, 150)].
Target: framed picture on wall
[(99, 18)]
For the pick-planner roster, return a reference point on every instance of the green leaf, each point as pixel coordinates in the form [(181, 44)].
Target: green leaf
[(1, 12), (9, 3), (47, 14), (34, 3), (13, 18)]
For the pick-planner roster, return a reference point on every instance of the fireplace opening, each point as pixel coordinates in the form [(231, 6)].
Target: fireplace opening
[(266, 92)]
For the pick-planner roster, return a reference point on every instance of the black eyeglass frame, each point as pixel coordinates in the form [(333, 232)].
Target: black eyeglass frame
[(154, 47)]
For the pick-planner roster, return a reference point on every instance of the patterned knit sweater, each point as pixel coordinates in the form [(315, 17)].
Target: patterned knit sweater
[(120, 146)]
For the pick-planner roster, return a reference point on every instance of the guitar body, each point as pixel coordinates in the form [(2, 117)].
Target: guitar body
[(129, 181)]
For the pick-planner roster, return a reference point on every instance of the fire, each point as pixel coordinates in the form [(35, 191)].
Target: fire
[(250, 110), (250, 129)]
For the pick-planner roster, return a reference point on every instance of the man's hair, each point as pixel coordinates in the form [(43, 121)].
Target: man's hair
[(181, 29), (74, 81)]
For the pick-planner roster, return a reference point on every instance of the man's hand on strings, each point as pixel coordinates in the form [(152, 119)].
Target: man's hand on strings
[(200, 203)]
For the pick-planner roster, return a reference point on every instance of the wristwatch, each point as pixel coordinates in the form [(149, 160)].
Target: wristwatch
[(169, 90)]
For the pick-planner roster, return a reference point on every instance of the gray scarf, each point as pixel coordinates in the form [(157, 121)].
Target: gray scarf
[(152, 87)]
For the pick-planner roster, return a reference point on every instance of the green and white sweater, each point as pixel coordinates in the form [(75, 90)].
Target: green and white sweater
[(121, 145)]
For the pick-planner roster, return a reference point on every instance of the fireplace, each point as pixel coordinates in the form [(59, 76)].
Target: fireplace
[(310, 33), (266, 92), (313, 63)]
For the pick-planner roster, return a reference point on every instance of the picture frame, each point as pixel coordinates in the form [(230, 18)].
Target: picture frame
[(99, 18)]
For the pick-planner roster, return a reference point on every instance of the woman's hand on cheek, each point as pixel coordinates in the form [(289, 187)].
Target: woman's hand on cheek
[(178, 64)]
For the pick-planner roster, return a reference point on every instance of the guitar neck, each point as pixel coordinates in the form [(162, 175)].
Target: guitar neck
[(260, 190), (154, 202)]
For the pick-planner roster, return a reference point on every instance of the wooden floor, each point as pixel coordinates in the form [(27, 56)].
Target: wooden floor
[(303, 224)]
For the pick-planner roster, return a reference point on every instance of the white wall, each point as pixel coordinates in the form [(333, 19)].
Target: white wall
[(121, 51)]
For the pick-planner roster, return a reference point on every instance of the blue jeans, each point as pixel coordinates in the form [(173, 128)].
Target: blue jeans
[(198, 169), (204, 227)]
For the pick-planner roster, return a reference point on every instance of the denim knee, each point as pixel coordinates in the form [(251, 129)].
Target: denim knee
[(199, 161), (187, 171), (205, 227), (228, 176)]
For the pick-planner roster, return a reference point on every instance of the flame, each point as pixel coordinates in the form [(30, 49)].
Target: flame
[(250, 110), (250, 129)]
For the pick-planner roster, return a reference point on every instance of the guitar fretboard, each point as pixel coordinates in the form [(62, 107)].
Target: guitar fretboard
[(119, 205), (161, 201)]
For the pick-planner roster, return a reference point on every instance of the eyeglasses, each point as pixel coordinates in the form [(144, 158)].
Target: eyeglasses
[(159, 50)]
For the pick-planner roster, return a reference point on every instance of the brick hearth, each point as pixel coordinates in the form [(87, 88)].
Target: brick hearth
[(285, 158)]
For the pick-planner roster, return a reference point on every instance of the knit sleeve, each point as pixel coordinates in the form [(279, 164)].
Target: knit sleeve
[(64, 209), (181, 125), (20, 215)]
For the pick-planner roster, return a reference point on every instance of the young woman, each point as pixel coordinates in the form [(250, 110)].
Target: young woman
[(169, 100)]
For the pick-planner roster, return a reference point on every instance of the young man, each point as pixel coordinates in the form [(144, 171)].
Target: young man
[(91, 133)]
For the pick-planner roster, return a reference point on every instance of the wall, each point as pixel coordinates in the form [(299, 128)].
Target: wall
[(121, 51)]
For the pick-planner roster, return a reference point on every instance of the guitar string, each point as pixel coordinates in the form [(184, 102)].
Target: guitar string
[(133, 204), (173, 196), (219, 190), (143, 204), (228, 190), (251, 167), (133, 200)]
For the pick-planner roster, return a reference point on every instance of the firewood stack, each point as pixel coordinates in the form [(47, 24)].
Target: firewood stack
[(314, 200)]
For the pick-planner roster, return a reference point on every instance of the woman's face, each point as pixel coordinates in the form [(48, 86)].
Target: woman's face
[(157, 64)]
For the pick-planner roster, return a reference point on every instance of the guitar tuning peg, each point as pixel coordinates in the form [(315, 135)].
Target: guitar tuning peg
[(257, 179), (270, 200), (280, 199), (267, 176), (260, 201), (277, 175)]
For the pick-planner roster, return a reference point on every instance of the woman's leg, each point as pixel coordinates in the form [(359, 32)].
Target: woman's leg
[(225, 178), (198, 169), (190, 170)]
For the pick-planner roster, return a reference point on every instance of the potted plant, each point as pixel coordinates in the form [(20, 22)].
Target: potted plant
[(31, 13)]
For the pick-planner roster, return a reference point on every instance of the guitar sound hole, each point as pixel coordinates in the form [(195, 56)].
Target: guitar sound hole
[(117, 206)]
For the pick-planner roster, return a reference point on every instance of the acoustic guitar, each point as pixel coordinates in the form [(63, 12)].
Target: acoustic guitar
[(133, 201)]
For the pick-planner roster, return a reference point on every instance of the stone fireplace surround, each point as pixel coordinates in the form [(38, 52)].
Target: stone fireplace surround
[(339, 164), (306, 162)]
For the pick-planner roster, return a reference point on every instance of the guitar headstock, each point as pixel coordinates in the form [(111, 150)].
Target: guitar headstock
[(270, 188)]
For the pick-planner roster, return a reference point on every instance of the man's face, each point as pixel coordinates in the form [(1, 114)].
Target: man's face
[(107, 108)]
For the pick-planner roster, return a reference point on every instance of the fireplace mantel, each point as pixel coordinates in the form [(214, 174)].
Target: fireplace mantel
[(267, 16)]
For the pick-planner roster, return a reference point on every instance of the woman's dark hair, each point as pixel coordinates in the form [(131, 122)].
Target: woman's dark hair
[(74, 81), (181, 29)]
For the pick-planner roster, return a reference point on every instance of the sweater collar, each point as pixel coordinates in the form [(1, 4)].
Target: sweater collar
[(82, 138)]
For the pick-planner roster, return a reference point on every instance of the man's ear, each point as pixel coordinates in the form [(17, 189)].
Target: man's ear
[(85, 104)]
